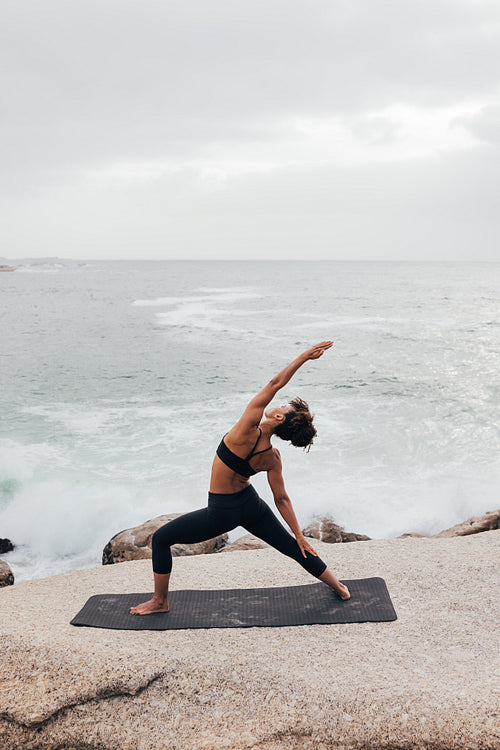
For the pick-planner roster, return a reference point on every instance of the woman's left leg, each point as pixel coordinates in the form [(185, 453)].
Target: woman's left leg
[(197, 526)]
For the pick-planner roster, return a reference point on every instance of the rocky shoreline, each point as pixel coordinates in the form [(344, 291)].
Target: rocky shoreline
[(52, 263), (135, 543), (426, 680)]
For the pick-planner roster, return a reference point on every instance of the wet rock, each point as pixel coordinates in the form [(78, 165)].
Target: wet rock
[(5, 546), (6, 574), (326, 530), (245, 543), (474, 525), (135, 543)]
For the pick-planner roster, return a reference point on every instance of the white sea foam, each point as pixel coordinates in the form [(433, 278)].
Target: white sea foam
[(198, 316), (60, 518), (215, 311), (159, 301), (39, 269), (229, 296), (82, 421), (56, 519)]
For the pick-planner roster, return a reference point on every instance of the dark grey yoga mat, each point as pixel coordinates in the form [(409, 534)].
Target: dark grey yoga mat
[(311, 604)]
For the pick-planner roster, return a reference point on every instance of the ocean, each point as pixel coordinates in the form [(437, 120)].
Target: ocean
[(119, 378)]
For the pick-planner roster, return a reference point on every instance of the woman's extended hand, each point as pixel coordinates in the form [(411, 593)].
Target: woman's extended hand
[(305, 546), (318, 349)]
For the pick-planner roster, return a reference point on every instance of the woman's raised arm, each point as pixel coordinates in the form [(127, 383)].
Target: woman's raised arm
[(255, 409)]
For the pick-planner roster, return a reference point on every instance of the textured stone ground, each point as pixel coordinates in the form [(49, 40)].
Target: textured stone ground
[(427, 680)]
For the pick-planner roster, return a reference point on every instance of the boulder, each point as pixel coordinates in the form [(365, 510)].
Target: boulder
[(5, 546), (6, 575), (244, 543), (326, 530), (488, 522), (411, 535), (135, 543)]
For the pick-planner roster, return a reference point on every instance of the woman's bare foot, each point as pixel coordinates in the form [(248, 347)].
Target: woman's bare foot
[(148, 608), (342, 591), (335, 585)]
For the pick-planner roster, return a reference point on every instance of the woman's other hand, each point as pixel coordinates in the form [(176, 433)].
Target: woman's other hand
[(305, 546)]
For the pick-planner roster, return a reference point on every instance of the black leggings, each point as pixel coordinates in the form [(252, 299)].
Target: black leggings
[(225, 512)]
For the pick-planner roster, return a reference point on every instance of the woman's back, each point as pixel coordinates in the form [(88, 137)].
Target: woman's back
[(236, 461)]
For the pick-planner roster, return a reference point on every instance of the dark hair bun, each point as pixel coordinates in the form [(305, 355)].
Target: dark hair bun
[(297, 427)]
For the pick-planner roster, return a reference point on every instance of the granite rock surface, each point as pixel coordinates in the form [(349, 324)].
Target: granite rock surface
[(428, 680)]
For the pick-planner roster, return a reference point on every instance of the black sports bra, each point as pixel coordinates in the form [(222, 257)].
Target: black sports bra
[(236, 463)]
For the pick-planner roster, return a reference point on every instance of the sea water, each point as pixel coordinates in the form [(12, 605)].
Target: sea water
[(119, 378)]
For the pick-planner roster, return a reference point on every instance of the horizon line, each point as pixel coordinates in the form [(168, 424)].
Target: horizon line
[(246, 260)]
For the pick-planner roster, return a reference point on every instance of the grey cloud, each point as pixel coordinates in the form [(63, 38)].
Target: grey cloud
[(374, 129), (88, 84), (110, 79), (485, 125)]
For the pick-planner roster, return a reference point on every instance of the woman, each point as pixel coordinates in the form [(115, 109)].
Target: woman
[(232, 501)]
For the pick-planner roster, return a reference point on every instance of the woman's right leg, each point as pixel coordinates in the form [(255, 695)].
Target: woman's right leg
[(261, 522), (197, 526)]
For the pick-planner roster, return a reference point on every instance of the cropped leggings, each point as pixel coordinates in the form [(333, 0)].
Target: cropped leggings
[(225, 512)]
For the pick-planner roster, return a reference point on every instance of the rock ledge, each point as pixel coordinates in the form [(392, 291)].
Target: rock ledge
[(426, 680)]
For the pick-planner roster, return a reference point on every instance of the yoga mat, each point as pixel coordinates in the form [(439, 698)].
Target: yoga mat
[(311, 604)]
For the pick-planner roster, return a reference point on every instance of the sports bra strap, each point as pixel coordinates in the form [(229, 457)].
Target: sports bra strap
[(256, 442), (264, 450)]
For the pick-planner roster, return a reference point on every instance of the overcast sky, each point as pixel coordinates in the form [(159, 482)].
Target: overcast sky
[(336, 129)]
